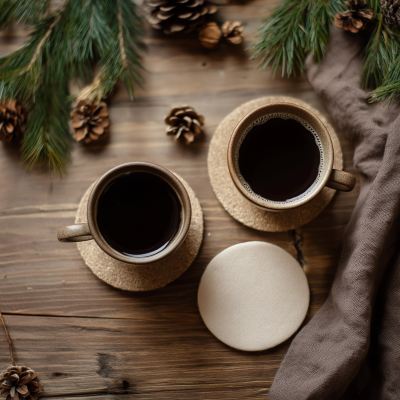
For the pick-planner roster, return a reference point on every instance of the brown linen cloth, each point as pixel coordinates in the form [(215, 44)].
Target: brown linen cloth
[(351, 348)]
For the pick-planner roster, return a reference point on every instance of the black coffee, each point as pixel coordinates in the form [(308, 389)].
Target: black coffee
[(279, 159), (138, 214)]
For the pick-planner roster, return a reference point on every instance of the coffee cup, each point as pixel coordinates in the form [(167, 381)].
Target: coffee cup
[(280, 156), (137, 213)]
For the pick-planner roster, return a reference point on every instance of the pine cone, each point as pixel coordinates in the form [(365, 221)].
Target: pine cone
[(210, 35), (391, 12), (20, 383), (232, 32), (90, 121), (12, 121), (172, 16), (185, 124), (355, 18)]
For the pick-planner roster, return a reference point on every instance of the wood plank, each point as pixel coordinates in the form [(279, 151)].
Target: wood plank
[(117, 356), (38, 275), (88, 340), (234, 394)]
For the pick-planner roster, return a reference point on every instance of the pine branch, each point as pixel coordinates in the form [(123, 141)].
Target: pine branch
[(319, 18), (390, 88), (48, 141), (63, 46), (121, 58), (379, 54), (282, 38), (295, 28), (381, 69), (22, 11)]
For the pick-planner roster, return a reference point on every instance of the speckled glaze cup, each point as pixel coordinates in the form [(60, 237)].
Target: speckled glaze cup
[(90, 230), (328, 176)]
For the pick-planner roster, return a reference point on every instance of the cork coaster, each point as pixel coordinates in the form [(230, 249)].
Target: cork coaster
[(253, 296), (139, 278), (231, 199)]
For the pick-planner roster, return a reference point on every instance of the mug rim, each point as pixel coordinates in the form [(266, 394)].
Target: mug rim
[(158, 170), (265, 203)]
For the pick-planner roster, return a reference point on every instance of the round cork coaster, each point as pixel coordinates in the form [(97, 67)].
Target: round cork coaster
[(231, 199), (138, 278), (253, 296)]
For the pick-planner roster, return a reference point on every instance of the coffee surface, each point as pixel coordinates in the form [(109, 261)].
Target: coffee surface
[(138, 214), (279, 159)]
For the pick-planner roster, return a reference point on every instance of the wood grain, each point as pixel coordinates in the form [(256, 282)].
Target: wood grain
[(88, 340)]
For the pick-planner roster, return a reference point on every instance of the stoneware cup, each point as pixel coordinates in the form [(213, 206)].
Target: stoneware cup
[(330, 177), (90, 230)]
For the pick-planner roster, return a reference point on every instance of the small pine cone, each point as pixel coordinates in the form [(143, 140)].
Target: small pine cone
[(185, 124), (210, 35), (90, 121), (20, 383), (12, 121), (355, 18), (172, 16), (232, 32), (391, 12)]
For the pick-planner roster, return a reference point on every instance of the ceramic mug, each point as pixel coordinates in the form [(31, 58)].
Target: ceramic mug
[(328, 176), (90, 230)]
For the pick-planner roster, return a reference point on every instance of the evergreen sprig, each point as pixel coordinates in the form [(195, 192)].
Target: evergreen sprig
[(295, 28), (22, 11), (122, 60), (63, 46), (390, 88), (282, 38), (319, 17), (298, 27)]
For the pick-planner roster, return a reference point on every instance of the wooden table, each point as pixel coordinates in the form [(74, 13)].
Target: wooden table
[(87, 340)]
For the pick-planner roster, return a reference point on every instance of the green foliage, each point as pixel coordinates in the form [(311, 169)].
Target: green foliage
[(319, 18), (63, 46), (282, 38), (380, 55), (22, 11), (390, 87), (298, 27), (295, 28), (121, 60), (381, 69)]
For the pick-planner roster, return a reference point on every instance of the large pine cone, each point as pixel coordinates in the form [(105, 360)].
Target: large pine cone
[(391, 12), (355, 18), (12, 121), (172, 16), (90, 121), (20, 383), (184, 123)]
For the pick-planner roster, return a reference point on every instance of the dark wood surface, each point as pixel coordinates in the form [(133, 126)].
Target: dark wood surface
[(86, 339)]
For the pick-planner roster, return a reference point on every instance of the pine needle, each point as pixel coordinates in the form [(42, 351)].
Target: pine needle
[(22, 11), (295, 28), (282, 40), (379, 55), (121, 59), (390, 88), (319, 18)]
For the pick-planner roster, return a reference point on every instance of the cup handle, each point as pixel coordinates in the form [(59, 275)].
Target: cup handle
[(341, 180), (74, 233)]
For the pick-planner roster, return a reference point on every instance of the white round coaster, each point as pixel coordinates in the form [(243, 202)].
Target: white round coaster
[(253, 296)]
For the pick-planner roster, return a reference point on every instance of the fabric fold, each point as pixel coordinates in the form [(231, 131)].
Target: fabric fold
[(351, 347)]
